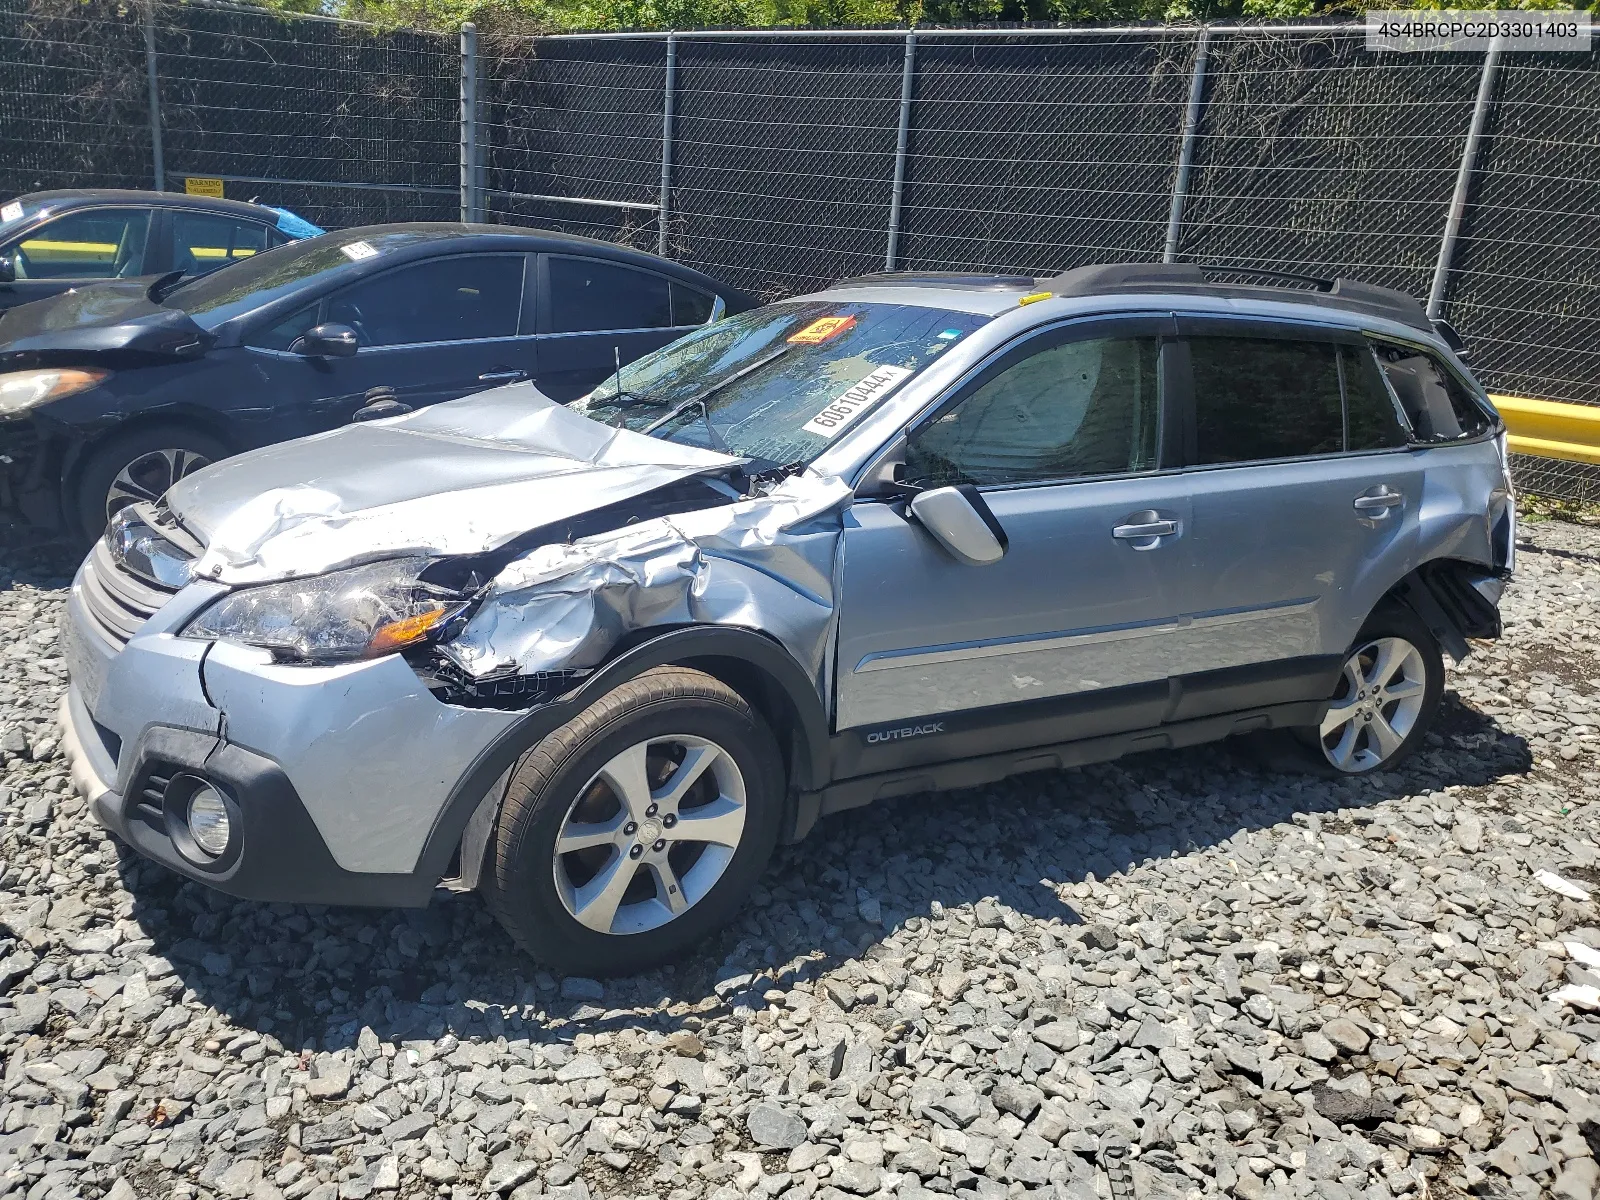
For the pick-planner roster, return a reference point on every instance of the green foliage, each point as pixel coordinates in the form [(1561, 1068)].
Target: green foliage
[(535, 16)]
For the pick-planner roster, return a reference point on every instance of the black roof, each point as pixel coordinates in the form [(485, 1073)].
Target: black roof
[(1224, 281), (413, 237), (973, 281), (79, 197), (1219, 280)]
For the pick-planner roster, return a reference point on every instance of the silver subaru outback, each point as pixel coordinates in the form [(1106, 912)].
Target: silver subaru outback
[(910, 532)]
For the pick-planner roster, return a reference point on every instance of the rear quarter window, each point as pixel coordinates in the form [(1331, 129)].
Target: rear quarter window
[(1437, 405)]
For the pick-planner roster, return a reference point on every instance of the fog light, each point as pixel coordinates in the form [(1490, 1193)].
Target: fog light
[(208, 820)]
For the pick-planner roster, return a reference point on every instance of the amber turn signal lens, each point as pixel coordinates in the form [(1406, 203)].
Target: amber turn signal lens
[(405, 632)]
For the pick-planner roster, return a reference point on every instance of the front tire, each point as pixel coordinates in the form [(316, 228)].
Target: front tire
[(139, 465), (1387, 697), (636, 829)]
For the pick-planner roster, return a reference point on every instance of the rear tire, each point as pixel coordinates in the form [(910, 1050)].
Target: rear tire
[(1387, 697), (637, 828), (139, 465)]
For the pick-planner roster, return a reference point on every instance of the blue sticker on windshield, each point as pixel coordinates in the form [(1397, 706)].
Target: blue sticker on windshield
[(950, 335)]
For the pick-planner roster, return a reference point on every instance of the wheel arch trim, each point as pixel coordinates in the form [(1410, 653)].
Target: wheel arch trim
[(1456, 599), (734, 654)]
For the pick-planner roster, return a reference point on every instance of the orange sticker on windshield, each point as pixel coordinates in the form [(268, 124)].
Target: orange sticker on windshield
[(820, 331)]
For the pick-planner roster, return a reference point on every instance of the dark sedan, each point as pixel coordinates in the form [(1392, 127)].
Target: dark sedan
[(52, 241), (110, 394)]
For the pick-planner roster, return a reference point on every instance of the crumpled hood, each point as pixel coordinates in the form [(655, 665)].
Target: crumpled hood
[(111, 319), (457, 478)]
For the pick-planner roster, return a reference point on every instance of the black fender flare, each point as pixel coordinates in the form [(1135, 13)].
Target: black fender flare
[(712, 648), (1456, 600)]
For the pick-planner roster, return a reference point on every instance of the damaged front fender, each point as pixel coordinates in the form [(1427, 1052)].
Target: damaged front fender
[(764, 563)]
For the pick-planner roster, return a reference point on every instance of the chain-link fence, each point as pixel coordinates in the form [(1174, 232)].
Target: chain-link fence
[(343, 124), (781, 160)]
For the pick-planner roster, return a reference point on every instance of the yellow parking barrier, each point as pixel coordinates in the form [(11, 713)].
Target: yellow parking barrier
[(1547, 429)]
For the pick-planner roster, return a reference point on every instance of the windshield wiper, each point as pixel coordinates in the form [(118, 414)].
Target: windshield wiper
[(705, 413), (162, 286), (705, 416)]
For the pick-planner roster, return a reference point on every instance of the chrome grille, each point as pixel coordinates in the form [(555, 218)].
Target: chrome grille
[(118, 602)]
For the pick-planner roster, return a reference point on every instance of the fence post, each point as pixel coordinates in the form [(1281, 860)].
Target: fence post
[(1191, 127), (669, 97), (1469, 159), (157, 159), (469, 122), (908, 74)]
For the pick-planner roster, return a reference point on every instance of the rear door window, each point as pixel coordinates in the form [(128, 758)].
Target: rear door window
[(1437, 405), (467, 298), (1265, 398), (1372, 423), (202, 242), (101, 243), (590, 296)]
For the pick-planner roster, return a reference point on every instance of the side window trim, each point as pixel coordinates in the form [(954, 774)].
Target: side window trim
[(1158, 325)]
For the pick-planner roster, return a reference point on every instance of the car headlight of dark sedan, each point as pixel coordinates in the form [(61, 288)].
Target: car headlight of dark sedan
[(24, 390), (362, 612)]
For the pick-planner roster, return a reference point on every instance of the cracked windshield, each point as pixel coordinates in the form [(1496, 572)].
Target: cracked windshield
[(777, 385)]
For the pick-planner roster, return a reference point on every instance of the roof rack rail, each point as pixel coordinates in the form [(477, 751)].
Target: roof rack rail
[(1200, 279), (986, 281)]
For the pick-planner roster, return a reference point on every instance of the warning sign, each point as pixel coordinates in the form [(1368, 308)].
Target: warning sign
[(200, 186), (821, 331)]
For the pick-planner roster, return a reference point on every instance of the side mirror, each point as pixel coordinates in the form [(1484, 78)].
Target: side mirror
[(327, 341), (960, 521), (8, 269)]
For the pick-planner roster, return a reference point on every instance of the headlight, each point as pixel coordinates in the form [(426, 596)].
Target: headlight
[(22, 390), (362, 612)]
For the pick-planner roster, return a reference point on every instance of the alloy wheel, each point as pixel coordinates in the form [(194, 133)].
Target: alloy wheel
[(1380, 698), (150, 475), (650, 834)]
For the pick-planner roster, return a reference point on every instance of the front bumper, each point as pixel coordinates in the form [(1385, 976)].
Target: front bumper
[(30, 474), (339, 778), (276, 853)]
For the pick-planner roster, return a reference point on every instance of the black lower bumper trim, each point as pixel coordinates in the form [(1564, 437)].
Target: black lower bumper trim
[(281, 857)]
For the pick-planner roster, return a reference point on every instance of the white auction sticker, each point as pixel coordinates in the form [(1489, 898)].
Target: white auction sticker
[(855, 400), (356, 251), (11, 212)]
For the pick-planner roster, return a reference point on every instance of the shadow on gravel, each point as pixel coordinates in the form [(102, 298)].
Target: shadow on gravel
[(33, 560), (314, 977)]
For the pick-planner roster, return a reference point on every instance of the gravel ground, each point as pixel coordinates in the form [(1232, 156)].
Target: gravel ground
[(1181, 974)]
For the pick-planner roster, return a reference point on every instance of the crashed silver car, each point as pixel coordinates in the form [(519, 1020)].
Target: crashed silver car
[(906, 533)]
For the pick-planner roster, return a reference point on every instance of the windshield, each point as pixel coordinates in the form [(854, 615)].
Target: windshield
[(250, 283), (777, 384)]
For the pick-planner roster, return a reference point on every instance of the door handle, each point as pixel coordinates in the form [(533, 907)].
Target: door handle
[(1378, 502), (502, 376), (1146, 529)]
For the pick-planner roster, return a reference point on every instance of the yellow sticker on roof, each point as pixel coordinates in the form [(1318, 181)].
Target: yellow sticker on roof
[(820, 331)]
